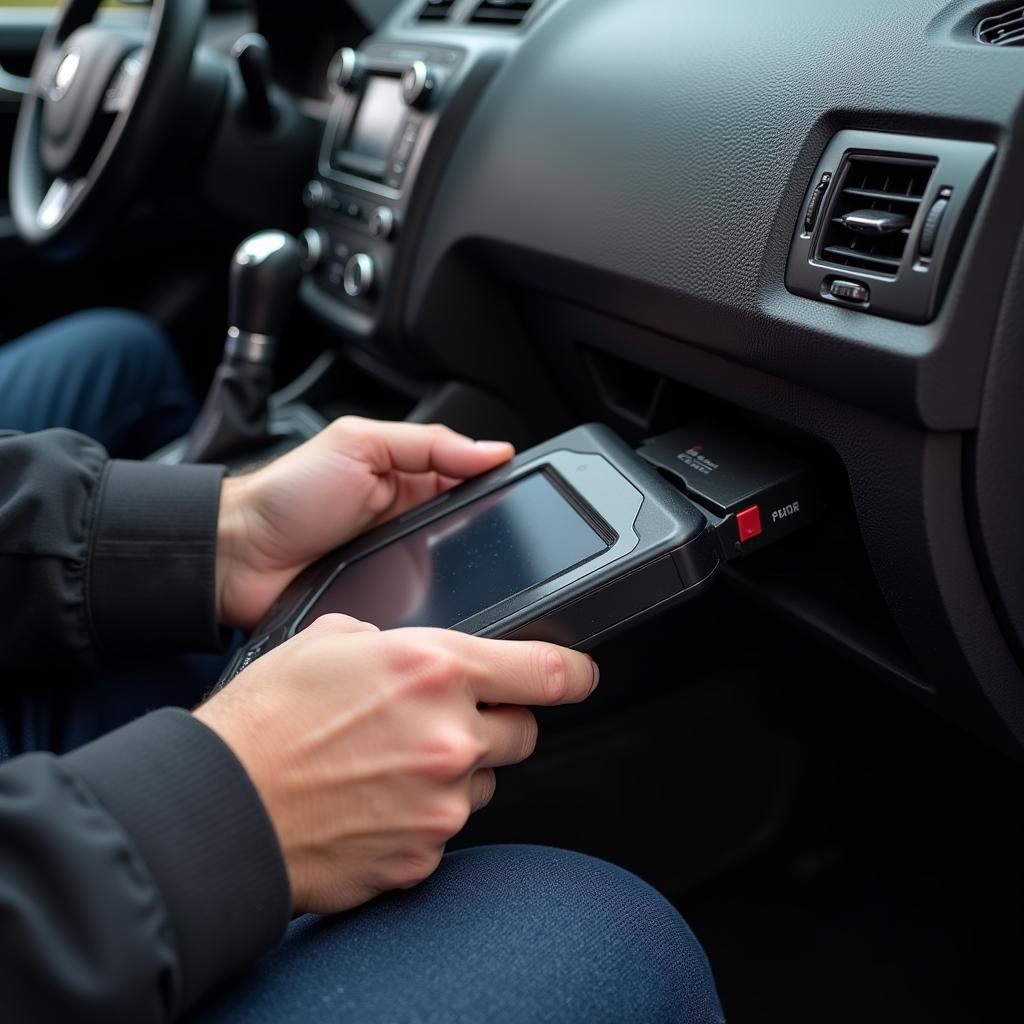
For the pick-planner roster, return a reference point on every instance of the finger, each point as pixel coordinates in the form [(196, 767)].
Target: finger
[(532, 673), (524, 672), (422, 448), (510, 733), (339, 625), (482, 786)]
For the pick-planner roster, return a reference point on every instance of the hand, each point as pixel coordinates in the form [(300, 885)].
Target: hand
[(370, 750), (354, 475)]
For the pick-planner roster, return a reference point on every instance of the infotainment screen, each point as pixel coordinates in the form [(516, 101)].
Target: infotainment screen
[(377, 123), (466, 562)]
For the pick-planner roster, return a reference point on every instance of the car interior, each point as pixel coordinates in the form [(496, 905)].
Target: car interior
[(799, 221)]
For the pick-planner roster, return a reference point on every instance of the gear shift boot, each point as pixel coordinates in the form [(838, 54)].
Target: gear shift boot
[(235, 416)]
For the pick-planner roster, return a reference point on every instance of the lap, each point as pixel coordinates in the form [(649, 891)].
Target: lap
[(108, 373), (518, 935)]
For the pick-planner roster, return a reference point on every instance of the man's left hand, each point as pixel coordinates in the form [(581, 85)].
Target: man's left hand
[(356, 474)]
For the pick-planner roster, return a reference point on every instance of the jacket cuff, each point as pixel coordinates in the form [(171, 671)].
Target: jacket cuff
[(187, 803), (152, 563)]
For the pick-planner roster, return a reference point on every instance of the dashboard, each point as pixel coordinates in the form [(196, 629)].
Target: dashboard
[(803, 215)]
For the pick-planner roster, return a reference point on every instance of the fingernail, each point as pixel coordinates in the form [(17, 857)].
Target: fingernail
[(492, 446), (597, 676)]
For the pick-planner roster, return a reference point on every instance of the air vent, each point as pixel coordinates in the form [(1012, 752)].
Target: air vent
[(884, 220), (1006, 29), (872, 215), (501, 12), (436, 10)]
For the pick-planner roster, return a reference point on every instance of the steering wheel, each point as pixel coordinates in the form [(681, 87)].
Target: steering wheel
[(100, 103)]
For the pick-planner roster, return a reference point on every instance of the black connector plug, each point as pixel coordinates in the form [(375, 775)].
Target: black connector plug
[(752, 493)]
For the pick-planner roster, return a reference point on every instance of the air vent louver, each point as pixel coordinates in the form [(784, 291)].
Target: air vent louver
[(501, 12), (871, 217), (436, 10), (1006, 29)]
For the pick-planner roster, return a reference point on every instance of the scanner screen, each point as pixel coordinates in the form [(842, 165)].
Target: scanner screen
[(467, 561)]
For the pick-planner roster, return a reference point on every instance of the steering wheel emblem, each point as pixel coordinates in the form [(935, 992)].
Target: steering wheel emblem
[(65, 74)]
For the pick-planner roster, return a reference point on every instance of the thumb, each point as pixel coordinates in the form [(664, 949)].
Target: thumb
[(461, 458)]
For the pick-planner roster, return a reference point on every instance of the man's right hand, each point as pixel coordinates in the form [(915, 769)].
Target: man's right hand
[(370, 750)]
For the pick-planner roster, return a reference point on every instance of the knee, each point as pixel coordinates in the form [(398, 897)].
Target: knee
[(593, 938), (128, 358), (499, 935), (117, 336)]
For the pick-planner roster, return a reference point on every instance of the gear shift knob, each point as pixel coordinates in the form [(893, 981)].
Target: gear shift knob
[(265, 274)]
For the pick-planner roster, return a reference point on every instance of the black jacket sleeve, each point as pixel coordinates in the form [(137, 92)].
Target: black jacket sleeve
[(102, 558), (137, 871)]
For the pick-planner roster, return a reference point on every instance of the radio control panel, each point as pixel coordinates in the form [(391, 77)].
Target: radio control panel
[(388, 100)]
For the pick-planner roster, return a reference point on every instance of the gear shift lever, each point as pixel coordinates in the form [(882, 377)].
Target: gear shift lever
[(265, 275)]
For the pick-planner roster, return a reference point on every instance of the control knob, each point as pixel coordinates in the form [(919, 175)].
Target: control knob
[(312, 246), (346, 70), (360, 272), (419, 84)]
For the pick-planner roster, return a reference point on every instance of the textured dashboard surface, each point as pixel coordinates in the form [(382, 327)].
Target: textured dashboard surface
[(662, 149)]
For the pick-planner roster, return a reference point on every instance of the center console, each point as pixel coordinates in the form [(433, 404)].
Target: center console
[(399, 105), (389, 99)]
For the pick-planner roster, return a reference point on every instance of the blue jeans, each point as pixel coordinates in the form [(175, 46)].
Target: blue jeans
[(107, 373), (499, 935)]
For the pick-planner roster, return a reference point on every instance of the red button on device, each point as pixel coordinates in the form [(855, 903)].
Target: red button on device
[(749, 523)]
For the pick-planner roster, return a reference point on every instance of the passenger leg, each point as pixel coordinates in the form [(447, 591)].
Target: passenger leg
[(509, 935), (107, 373)]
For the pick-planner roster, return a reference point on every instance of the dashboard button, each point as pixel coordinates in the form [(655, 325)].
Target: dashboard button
[(382, 223), (360, 273), (336, 274), (396, 172), (404, 148), (850, 291)]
